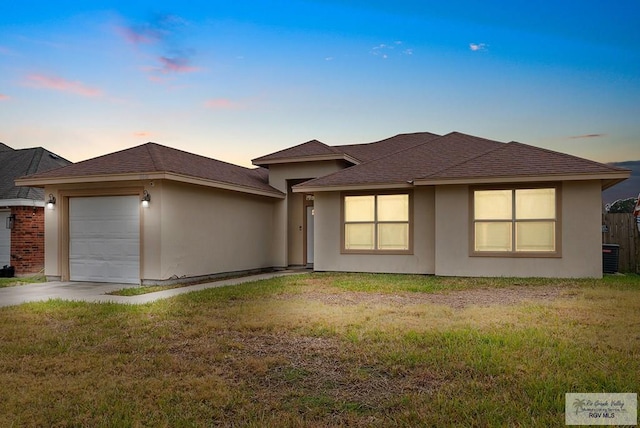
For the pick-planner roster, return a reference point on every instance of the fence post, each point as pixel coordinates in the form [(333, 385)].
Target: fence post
[(636, 240)]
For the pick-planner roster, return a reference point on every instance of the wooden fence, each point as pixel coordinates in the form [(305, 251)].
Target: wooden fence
[(621, 229)]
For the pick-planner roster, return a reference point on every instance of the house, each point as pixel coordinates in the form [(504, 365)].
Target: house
[(22, 208), (413, 203)]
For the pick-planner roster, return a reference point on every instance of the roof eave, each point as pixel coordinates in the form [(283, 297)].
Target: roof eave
[(97, 178), (607, 179), (226, 186), (21, 202), (300, 159), (351, 187), (42, 182)]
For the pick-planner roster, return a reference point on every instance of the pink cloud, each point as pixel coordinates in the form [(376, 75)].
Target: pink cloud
[(137, 36), (176, 65), (222, 104), (156, 79), (142, 134), (156, 29), (61, 84), (4, 97)]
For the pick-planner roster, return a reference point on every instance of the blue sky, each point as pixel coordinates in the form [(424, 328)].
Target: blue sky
[(237, 80)]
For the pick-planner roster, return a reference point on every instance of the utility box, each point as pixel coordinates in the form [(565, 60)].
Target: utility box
[(610, 258), (7, 272)]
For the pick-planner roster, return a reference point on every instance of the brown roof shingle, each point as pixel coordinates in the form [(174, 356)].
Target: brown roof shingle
[(458, 156), (370, 151), (406, 165), (517, 160), (308, 149), (152, 157), (358, 152)]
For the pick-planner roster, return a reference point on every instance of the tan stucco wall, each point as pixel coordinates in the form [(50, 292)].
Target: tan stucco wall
[(327, 239), (285, 227), (187, 230), (581, 237), (207, 231), (51, 238)]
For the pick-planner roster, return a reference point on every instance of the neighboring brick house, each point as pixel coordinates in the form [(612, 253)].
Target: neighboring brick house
[(22, 208)]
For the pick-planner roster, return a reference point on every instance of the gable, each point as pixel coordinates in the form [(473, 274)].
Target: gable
[(310, 151)]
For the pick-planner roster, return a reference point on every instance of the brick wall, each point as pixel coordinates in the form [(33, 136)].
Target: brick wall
[(27, 240)]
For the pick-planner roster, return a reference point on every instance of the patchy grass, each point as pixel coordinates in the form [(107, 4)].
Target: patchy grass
[(146, 289), (11, 282), (324, 350)]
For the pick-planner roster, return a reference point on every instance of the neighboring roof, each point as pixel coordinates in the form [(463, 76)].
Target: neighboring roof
[(313, 150), (458, 158), (627, 189), (153, 160), (17, 163)]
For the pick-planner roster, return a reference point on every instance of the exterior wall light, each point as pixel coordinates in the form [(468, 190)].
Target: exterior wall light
[(11, 221), (51, 202), (146, 198)]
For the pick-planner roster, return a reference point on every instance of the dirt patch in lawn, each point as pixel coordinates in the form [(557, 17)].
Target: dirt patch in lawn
[(458, 299), (293, 367)]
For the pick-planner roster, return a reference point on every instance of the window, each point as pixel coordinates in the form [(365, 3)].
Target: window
[(376, 223), (516, 221)]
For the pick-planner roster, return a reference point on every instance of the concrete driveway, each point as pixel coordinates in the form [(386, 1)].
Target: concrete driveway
[(97, 292)]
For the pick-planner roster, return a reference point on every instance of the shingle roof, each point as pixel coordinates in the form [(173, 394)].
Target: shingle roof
[(517, 159), (370, 151), (17, 163), (155, 158), (357, 152), (458, 156), (406, 165), (309, 149)]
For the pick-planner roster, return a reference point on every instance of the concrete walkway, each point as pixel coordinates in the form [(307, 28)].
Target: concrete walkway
[(96, 292)]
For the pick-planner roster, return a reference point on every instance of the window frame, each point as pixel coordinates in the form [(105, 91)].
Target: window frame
[(375, 222), (513, 253)]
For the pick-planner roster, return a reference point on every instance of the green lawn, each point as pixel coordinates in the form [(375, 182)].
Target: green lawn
[(324, 350), (10, 282)]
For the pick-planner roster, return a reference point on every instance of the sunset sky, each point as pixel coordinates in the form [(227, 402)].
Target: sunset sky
[(235, 80)]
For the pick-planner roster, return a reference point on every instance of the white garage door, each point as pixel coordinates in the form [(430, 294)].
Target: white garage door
[(5, 239), (104, 239)]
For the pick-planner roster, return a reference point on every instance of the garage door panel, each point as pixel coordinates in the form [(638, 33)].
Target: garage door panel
[(104, 239)]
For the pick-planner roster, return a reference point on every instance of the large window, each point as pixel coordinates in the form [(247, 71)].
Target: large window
[(376, 223), (516, 221)]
